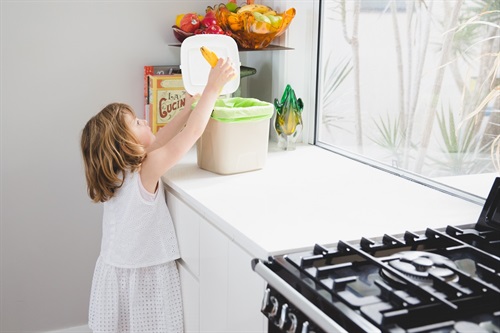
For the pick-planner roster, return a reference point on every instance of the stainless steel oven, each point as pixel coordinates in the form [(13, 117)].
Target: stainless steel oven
[(435, 280)]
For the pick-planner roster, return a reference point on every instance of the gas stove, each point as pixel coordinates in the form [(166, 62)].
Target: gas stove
[(436, 280)]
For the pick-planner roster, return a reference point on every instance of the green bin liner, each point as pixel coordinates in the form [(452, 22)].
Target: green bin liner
[(239, 109)]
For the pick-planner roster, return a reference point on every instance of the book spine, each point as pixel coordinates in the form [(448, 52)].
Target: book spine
[(155, 70)]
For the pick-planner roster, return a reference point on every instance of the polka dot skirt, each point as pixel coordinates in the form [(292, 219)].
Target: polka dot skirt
[(136, 300)]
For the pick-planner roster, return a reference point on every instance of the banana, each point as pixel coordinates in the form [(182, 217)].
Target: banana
[(254, 8), (209, 56), (270, 12)]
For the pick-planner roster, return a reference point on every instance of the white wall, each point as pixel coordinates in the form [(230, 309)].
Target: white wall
[(61, 62)]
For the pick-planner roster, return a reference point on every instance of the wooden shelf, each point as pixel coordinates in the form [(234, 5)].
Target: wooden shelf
[(270, 47)]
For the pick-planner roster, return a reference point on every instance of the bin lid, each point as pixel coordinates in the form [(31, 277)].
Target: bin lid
[(195, 68), (239, 109)]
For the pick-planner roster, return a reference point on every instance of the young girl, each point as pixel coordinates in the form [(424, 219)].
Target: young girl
[(136, 284)]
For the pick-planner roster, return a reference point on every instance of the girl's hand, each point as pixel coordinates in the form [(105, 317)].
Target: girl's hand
[(221, 74)]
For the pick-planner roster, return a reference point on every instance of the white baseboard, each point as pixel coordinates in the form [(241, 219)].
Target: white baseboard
[(76, 329)]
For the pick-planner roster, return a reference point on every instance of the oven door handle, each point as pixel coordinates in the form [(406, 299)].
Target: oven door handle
[(303, 304)]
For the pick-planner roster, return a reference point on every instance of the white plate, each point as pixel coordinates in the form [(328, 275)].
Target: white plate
[(195, 68)]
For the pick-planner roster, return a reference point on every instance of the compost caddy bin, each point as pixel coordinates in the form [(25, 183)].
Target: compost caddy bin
[(237, 135)]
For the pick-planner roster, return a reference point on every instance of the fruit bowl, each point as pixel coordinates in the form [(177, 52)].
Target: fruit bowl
[(180, 34), (250, 29)]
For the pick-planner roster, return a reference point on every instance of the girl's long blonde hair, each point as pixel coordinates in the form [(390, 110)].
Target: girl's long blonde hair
[(109, 149)]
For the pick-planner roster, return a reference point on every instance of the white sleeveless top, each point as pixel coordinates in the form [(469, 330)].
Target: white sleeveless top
[(137, 232)]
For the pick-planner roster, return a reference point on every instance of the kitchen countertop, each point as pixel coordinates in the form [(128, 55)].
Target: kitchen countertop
[(310, 196)]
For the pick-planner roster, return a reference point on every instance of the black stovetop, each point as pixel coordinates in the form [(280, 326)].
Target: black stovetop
[(437, 280), (434, 281)]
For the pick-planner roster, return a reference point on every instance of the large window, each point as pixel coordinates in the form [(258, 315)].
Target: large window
[(413, 87)]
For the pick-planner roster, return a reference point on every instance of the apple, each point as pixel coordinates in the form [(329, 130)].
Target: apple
[(261, 17), (232, 7), (208, 21), (275, 20), (190, 22), (214, 29)]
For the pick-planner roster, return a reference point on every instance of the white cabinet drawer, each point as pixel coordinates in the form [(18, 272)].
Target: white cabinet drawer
[(230, 291), (213, 282), (187, 228), (245, 291), (190, 289)]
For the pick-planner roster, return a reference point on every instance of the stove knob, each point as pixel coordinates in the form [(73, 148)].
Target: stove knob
[(293, 323), (305, 327), (274, 309), (269, 304), (283, 316), (266, 306)]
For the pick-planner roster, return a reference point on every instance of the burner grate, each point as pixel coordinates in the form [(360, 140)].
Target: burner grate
[(414, 281), (488, 241)]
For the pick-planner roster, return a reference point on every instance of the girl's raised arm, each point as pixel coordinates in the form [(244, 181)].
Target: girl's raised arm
[(159, 160), (167, 132)]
